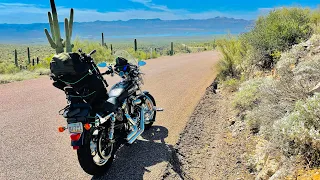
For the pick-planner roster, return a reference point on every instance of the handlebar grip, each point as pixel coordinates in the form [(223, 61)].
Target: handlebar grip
[(92, 52)]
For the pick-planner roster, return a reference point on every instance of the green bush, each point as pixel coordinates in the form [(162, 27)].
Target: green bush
[(231, 84), (277, 32), (315, 19), (8, 68), (233, 51), (102, 54)]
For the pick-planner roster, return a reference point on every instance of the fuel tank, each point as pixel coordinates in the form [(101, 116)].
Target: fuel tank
[(122, 90)]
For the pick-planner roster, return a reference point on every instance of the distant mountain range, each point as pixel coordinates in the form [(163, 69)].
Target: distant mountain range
[(135, 28)]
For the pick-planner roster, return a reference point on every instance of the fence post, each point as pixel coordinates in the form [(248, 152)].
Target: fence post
[(171, 51), (16, 58), (32, 62), (135, 45), (37, 60), (111, 49), (28, 51), (102, 44)]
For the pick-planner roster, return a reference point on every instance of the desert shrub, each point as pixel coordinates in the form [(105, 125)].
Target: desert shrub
[(102, 54), (297, 72), (277, 32), (8, 68), (23, 75), (233, 51), (231, 84), (315, 19), (299, 132), (248, 95)]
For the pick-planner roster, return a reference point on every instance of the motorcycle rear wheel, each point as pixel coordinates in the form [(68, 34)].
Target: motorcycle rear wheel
[(88, 158)]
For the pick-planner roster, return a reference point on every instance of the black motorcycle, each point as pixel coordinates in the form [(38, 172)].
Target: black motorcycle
[(123, 114)]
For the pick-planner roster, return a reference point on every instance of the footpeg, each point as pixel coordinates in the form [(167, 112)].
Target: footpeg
[(157, 109)]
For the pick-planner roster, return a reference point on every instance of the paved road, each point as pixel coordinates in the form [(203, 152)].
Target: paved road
[(31, 148)]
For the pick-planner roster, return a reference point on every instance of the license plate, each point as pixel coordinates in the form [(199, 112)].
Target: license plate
[(75, 127)]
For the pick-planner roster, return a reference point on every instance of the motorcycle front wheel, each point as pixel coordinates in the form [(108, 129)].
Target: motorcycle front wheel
[(150, 115)]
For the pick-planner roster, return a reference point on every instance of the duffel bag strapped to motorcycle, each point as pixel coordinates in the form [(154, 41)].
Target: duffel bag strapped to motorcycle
[(68, 64), (69, 69)]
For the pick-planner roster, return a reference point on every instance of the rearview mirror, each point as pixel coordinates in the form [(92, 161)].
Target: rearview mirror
[(141, 63), (102, 64)]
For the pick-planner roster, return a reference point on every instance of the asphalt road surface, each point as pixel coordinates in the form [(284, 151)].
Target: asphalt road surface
[(31, 147)]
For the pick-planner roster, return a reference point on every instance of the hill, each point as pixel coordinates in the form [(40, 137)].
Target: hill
[(134, 28)]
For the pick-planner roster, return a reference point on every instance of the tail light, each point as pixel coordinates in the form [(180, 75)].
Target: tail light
[(75, 137), (61, 129), (75, 147)]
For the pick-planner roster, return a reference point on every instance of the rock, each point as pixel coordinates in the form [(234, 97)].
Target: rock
[(316, 89)]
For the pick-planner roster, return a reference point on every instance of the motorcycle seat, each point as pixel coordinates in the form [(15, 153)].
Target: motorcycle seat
[(111, 104)]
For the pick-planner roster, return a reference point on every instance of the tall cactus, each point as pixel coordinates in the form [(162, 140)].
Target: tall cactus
[(135, 45), (171, 51), (102, 43), (55, 39), (28, 52), (16, 58)]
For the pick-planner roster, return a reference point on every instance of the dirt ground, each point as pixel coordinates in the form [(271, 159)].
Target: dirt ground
[(212, 146)]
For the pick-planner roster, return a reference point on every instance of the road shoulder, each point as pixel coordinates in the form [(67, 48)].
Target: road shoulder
[(212, 146)]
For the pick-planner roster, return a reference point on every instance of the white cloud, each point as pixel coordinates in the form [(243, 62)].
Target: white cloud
[(17, 13), (149, 4)]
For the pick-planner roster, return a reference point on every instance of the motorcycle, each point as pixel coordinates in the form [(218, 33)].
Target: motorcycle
[(129, 112)]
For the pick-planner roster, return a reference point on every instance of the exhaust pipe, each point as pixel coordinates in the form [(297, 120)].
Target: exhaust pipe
[(135, 127), (131, 140)]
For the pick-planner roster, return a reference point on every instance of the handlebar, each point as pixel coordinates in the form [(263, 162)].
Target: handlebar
[(92, 52)]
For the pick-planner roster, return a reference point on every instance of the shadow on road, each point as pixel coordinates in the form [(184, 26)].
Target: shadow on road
[(132, 161)]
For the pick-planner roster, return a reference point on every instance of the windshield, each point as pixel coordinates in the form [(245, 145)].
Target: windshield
[(125, 54)]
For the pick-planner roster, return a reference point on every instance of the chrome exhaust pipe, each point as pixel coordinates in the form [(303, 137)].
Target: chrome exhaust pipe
[(135, 127), (141, 128)]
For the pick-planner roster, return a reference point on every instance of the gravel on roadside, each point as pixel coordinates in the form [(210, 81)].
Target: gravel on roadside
[(213, 144)]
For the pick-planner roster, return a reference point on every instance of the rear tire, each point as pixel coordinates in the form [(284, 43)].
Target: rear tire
[(86, 159), (149, 125)]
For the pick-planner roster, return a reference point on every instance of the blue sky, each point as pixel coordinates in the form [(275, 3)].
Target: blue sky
[(32, 11)]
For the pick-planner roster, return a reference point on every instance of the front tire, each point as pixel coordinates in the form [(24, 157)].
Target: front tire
[(150, 102), (86, 157)]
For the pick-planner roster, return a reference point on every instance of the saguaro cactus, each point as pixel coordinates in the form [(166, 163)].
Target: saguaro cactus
[(102, 43), (171, 51), (16, 58), (111, 49), (28, 51), (55, 39), (135, 45)]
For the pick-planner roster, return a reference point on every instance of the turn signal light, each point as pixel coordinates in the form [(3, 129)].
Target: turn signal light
[(61, 129), (75, 137), (87, 126)]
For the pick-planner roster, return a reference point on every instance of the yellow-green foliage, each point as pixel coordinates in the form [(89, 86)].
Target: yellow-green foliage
[(231, 84), (102, 54), (233, 51), (23, 75), (315, 19), (8, 68)]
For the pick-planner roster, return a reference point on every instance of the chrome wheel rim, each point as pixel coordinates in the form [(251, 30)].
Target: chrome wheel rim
[(97, 159), (149, 112)]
